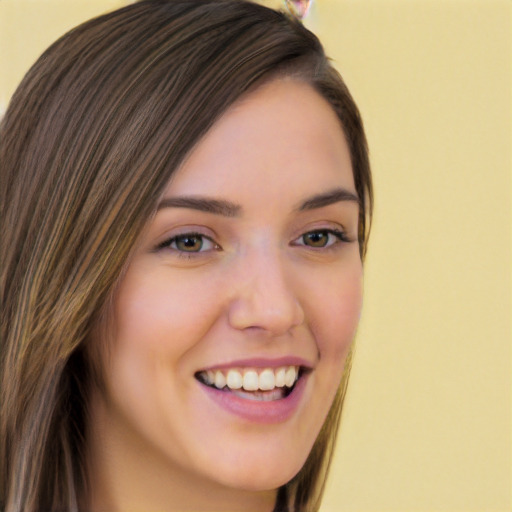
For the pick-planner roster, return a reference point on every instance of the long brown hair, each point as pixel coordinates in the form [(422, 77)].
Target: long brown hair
[(87, 145)]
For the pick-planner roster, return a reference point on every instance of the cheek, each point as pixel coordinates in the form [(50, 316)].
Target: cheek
[(162, 315), (339, 310)]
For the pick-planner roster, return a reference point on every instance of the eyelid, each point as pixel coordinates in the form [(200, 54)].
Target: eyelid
[(166, 244), (339, 233)]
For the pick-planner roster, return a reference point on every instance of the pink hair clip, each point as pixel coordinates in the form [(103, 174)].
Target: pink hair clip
[(298, 8)]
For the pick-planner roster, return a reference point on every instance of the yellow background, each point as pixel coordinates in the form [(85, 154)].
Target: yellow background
[(427, 424)]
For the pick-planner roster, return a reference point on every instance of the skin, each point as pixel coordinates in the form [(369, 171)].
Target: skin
[(256, 287)]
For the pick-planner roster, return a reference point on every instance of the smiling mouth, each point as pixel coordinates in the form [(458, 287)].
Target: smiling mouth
[(261, 384)]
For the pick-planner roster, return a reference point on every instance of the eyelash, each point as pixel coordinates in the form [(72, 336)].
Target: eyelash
[(167, 244), (340, 237)]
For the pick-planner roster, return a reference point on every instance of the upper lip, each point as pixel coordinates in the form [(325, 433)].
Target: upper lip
[(262, 362)]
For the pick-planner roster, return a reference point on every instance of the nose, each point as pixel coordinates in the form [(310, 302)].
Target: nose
[(264, 298)]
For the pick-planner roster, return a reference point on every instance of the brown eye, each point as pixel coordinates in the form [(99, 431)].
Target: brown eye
[(322, 238), (189, 243), (316, 238)]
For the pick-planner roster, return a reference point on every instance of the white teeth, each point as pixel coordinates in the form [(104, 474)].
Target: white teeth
[(250, 380), (234, 379), (280, 377), (220, 380), (290, 377), (269, 396), (267, 380)]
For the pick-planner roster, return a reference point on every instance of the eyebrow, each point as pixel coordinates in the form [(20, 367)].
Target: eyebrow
[(325, 199), (203, 204), (229, 209)]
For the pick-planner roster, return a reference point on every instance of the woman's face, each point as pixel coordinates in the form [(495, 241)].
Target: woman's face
[(248, 276)]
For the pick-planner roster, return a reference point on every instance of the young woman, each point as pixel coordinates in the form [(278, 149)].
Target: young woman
[(185, 201)]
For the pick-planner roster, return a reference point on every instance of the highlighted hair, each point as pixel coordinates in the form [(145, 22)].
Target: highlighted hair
[(88, 143)]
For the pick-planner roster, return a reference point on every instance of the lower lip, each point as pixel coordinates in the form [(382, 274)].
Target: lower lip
[(275, 411)]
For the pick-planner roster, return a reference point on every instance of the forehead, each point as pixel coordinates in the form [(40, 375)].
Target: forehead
[(283, 133)]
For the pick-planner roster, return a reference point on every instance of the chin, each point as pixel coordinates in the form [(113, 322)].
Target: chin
[(259, 480), (258, 476)]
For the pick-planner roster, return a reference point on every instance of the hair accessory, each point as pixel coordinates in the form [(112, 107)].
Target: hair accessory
[(298, 8)]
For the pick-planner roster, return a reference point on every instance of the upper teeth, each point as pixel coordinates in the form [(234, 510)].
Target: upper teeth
[(263, 379)]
